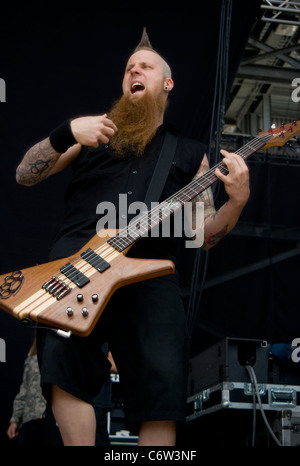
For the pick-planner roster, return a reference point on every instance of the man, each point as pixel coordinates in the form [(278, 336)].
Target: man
[(144, 323)]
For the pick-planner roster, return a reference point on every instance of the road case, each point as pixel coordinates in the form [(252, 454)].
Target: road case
[(238, 395), (238, 391)]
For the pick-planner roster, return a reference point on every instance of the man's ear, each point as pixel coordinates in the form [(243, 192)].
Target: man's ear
[(169, 84)]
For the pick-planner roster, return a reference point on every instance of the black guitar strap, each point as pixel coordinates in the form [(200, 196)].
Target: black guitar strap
[(162, 169)]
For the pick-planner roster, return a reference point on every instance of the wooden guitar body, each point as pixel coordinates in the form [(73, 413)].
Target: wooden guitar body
[(79, 310)]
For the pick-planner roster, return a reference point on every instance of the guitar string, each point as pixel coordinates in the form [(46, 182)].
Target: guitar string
[(143, 220), (107, 249), (195, 183), (244, 152)]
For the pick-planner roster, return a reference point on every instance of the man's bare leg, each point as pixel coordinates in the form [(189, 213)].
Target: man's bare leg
[(158, 433), (75, 418)]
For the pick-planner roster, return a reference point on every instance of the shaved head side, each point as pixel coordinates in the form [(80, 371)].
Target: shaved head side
[(166, 68), (145, 44)]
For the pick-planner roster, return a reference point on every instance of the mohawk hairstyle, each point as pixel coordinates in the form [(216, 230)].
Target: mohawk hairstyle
[(145, 43)]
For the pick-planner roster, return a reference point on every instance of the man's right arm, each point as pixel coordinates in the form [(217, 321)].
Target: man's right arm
[(56, 152), (42, 160)]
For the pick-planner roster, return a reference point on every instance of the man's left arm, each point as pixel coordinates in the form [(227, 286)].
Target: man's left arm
[(219, 223)]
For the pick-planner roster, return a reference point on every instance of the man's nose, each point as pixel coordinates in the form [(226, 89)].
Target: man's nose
[(135, 70)]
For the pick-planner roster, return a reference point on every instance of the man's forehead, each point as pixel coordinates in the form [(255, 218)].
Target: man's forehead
[(144, 56)]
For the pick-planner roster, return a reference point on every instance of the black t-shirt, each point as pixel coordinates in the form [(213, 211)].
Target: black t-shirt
[(100, 176)]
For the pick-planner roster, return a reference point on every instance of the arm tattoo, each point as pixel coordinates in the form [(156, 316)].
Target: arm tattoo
[(206, 196), (209, 207), (214, 239), (39, 166), (37, 163)]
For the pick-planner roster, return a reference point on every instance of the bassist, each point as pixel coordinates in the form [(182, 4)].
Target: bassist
[(144, 323)]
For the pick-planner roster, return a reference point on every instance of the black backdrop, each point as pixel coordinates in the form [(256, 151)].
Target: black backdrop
[(65, 61)]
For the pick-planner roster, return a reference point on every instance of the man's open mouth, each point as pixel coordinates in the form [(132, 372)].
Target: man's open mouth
[(136, 87)]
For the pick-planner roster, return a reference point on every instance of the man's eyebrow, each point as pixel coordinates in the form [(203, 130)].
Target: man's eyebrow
[(129, 65)]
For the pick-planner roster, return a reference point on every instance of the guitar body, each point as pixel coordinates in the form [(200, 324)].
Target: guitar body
[(73, 313)]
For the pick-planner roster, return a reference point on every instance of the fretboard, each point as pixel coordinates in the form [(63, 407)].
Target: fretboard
[(151, 219)]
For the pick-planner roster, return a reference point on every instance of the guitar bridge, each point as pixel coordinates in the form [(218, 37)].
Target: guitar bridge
[(57, 288)]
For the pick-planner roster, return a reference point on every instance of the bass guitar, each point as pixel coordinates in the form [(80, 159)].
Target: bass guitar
[(70, 294)]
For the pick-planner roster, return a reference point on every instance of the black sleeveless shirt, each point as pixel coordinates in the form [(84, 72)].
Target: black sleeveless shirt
[(100, 176)]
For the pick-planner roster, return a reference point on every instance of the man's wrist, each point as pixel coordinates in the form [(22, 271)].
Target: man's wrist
[(61, 138)]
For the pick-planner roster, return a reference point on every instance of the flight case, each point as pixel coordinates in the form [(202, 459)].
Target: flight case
[(232, 381)]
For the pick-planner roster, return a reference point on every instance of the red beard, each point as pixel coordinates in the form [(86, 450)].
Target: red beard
[(137, 122)]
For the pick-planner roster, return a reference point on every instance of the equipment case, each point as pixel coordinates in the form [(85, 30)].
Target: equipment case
[(238, 395), (225, 398)]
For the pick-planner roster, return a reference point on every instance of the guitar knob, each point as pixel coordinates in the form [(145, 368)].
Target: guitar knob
[(84, 312), (95, 298), (69, 311), (80, 298)]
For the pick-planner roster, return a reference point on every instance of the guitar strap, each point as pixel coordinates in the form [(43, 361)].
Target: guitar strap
[(162, 169)]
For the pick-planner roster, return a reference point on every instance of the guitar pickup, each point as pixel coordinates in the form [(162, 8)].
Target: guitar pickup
[(95, 260), (74, 275)]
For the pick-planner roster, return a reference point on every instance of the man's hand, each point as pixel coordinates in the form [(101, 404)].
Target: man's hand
[(236, 182), (89, 131), (13, 430)]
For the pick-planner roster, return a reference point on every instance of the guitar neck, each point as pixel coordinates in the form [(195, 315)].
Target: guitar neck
[(149, 220)]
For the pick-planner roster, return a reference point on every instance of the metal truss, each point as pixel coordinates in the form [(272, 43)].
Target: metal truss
[(263, 83), (277, 11)]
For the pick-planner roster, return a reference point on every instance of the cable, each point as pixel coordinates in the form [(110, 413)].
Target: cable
[(254, 379), (220, 94), (254, 406), (27, 322)]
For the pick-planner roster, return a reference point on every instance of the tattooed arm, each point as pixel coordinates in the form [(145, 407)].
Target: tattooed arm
[(219, 223), (41, 161)]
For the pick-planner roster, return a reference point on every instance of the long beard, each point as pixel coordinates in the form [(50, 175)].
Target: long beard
[(137, 120)]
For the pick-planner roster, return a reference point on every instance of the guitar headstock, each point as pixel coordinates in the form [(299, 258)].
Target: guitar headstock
[(279, 136)]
